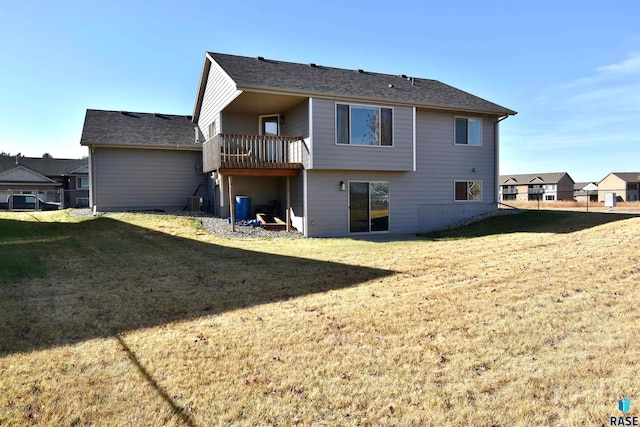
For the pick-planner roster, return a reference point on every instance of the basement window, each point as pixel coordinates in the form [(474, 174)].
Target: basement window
[(470, 191)]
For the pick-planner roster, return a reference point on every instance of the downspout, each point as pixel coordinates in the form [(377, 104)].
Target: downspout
[(496, 155), (92, 180)]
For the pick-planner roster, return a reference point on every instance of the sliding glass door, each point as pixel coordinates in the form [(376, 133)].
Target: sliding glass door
[(368, 207)]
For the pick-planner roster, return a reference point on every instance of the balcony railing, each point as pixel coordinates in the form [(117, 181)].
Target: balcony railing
[(509, 190), (232, 151), (536, 190)]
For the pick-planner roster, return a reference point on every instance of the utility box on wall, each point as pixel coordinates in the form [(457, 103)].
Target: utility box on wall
[(610, 200), (194, 204)]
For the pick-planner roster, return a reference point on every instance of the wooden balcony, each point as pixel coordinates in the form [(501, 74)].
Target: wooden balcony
[(232, 154)]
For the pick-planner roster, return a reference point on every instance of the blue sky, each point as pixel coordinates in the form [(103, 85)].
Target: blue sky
[(570, 68)]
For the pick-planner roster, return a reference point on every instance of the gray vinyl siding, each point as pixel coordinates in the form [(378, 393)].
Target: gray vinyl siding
[(418, 201), (22, 175), (220, 90), (329, 155), (239, 123), (137, 179), (295, 122), (440, 162)]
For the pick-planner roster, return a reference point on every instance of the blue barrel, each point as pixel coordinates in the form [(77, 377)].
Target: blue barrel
[(243, 208)]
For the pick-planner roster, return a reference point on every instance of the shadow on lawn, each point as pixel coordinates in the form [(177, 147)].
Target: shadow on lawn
[(101, 277), (557, 222)]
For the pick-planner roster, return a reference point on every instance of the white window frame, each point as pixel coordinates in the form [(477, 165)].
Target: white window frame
[(78, 186), (467, 118), (379, 107), (261, 119), (211, 129), (467, 200)]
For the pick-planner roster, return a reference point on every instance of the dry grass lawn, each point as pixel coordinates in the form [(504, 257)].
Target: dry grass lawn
[(525, 320)]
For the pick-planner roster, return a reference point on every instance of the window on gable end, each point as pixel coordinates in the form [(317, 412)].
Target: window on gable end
[(468, 191), (467, 131)]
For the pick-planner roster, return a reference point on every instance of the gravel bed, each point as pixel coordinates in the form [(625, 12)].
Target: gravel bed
[(221, 227), (214, 225)]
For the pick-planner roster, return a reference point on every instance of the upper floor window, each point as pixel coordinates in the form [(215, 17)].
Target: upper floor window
[(211, 129), (82, 182), (468, 131), (364, 125)]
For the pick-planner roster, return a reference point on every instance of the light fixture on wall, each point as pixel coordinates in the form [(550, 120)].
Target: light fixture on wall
[(343, 187)]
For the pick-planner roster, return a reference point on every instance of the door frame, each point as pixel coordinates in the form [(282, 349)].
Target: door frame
[(368, 182), (261, 121)]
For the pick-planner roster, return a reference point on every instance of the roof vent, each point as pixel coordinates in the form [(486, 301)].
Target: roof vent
[(161, 116), (128, 114), (359, 70), (404, 76), (391, 85), (260, 58), (312, 65)]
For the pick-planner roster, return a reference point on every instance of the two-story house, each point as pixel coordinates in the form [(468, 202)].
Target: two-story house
[(348, 151), (626, 186), (64, 181), (336, 151), (547, 187)]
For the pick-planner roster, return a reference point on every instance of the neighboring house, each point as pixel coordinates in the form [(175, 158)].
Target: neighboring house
[(585, 191), (341, 151), (63, 181), (547, 187), (626, 185), (142, 161)]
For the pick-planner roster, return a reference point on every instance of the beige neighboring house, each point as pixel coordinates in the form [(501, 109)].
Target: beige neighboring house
[(626, 185), (547, 187), (585, 191)]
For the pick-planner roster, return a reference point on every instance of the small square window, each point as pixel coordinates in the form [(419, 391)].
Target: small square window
[(82, 182), (468, 191), (467, 131)]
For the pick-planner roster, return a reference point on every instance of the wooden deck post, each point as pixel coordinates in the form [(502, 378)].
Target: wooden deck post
[(232, 205), (288, 203)]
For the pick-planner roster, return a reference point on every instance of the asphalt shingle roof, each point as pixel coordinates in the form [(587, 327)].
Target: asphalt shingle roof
[(120, 128), (304, 78), (627, 176), (547, 178), (50, 167)]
